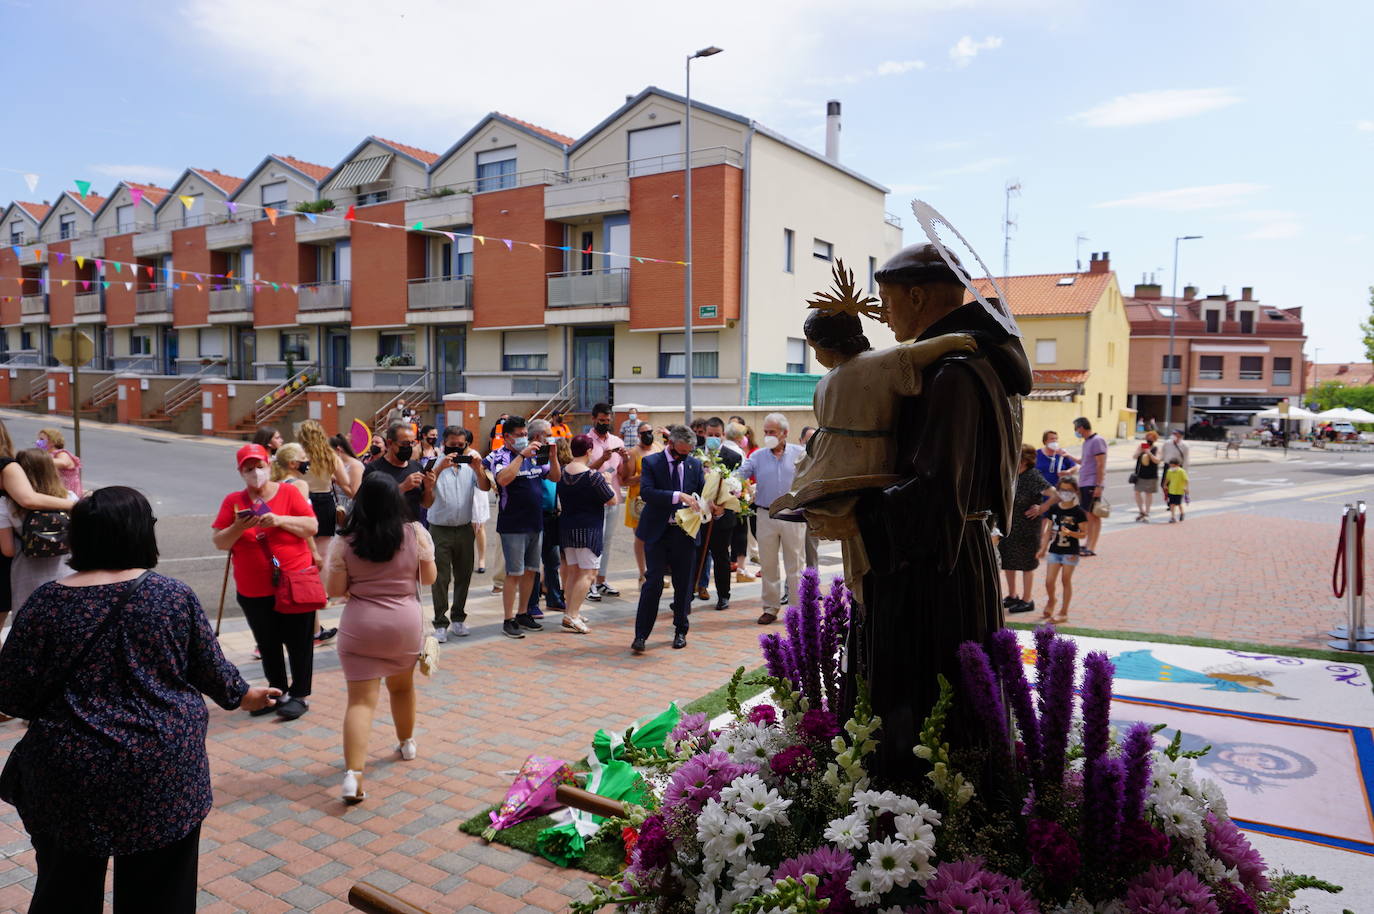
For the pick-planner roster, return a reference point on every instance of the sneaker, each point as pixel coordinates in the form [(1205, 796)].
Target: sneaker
[(575, 625), (292, 708), (595, 593), (511, 629), (441, 633), (1173, 520), (608, 591), (524, 621), (1007, 601), (407, 750), (325, 634), (458, 630), (534, 612)]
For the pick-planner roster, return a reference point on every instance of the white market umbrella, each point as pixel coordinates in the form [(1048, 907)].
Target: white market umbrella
[(1361, 415), (1339, 414), (1294, 412)]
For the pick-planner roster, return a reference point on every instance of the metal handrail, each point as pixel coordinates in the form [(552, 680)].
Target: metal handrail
[(560, 397), (710, 155), (420, 383), (601, 272), (38, 387), (103, 391), (282, 397), (183, 392)]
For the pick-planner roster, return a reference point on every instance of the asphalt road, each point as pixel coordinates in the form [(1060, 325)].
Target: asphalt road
[(187, 477)]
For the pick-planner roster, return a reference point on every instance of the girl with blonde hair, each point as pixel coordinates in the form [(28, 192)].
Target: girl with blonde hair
[(294, 465), (68, 464), (28, 572), (15, 486)]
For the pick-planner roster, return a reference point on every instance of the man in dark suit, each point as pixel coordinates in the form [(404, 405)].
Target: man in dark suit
[(716, 538), (669, 481)]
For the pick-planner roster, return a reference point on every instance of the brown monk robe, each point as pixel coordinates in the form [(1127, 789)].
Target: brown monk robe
[(934, 581)]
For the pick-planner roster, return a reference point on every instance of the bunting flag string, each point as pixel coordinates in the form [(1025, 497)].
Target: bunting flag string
[(273, 214)]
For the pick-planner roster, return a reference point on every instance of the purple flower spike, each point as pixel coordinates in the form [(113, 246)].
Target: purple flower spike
[(1006, 658), (1097, 705), (1056, 717), (835, 613), (1044, 637), (984, 696), (809, 607), (1135, 751), (1102, 810), (772, 655), (1053, 851)]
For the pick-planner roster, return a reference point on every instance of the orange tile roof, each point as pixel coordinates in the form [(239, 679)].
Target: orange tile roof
[(1058, 376), (306, 168), (423, 155), (222, 181), (1351, 374), (93, 201), (151, 192), (542, 131), (1040, 294), (38, 211)]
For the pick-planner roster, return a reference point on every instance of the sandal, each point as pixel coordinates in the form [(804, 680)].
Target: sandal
[(1060, 620), (575, 625), (1087, 552)]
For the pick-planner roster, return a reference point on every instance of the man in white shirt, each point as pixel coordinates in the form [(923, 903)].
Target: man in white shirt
[(452, 481), (606, 455), (1174, 448), (774, 466)]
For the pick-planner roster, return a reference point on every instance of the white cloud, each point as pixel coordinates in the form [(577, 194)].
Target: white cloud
[(1365, 126), (975, 167), (1184, 199), (142, 174), (1269, 224), (1153, 107), (966, 48), (886, 68), (898, 67)]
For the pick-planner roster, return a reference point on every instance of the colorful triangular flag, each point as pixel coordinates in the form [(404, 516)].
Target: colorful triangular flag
[(128, 287), (480, 239), (312, 217), (117, 265), (276, 288), (32, 181), (350, 215), (81, 263), (85, 284), (104, 285), (510, 245), (231, 206), (136, 195), (37, 254), (84, 188), (418, 227), (187, 201), (99, 264), (271, 214), (61, 257), (149, 269), (64, 283)]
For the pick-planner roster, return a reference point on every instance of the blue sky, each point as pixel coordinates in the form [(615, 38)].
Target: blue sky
[(1251, 124)]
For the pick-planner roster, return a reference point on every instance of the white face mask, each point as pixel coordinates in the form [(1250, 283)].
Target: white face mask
[(1067, 498), (770, 442), (255, 478), (1052, 445)]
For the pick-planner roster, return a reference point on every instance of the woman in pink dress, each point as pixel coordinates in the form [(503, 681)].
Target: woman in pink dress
[(378, 561)]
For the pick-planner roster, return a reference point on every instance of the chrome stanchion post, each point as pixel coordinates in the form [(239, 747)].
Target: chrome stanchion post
[(1347, 581)]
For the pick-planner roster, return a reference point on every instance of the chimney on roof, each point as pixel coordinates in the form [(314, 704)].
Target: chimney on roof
[(1190, 292), (1101, 263), (1150, 290), (1247, 293), (1343, 369), (832, 130)]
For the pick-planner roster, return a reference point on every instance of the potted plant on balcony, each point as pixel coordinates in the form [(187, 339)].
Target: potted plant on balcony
[(314, 206)]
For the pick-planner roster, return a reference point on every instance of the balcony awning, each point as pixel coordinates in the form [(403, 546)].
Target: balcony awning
[(361, 171)]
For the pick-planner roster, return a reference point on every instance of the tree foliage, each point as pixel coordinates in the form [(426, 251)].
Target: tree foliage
[(1367, 328), (1330, 394)]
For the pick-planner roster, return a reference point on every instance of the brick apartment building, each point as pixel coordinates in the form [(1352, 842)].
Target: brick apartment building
[(363, 308), (1232, 357)]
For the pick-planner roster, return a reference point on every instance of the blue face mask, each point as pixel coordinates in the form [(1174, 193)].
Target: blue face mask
[(712, 443)]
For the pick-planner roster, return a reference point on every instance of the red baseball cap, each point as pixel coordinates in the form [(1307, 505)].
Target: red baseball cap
[(252, 452)]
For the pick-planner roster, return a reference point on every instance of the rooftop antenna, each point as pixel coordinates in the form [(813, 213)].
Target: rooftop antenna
[(1078, 250), (1013, 190)]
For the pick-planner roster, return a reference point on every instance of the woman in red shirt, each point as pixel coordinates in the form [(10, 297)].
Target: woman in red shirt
[(265, 521)]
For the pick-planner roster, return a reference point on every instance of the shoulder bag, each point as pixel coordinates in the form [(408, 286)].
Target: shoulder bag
[(295, 592), (11, 778), (1135, 474), (45, 534)]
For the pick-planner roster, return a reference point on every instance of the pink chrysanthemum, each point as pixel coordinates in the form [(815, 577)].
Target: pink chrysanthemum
[(968, 887), (1232, 848), (1162, 890)]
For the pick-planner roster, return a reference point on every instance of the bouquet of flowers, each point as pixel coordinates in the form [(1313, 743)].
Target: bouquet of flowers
[(1047, 813)]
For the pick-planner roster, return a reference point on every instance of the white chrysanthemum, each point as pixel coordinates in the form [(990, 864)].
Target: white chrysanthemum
[(763, 806), (752, 878), (711, 822), (922, 870), (914, 830), (1212, 795), (739, 837), (862, 887), (849, 833), (740, 785), (892, 862), (876, 802)]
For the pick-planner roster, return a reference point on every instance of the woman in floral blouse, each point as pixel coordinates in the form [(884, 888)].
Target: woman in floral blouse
[(115, 765)]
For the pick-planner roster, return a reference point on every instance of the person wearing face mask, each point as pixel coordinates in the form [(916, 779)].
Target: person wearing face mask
[(630, 427), (631, 469), (1092, 476), (606, 456), (1051, 461), (717, 549), (399, 462), (1067, 527), (68, 464), (774, 467), (458, 481), (670, 481), (263, 523)]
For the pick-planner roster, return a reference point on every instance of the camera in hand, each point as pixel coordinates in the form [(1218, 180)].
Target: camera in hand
[(542, 455)]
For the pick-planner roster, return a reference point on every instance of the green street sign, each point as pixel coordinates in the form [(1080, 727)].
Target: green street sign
[(706, 311)]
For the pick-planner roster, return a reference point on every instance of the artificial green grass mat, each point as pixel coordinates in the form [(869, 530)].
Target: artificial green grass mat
[(1363, 660), (603, 858)]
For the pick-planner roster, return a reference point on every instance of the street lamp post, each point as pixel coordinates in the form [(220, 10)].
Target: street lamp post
[(687, 238), (1173, 319)]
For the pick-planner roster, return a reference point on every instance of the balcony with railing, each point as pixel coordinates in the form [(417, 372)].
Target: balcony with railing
[(228, 231), (607, 288), (88, 303), (336, 295), (33, 306), (154, 303), (606, 188), (441, 206), (440, 293), (237, 301), (1174, 376), (152, 241)]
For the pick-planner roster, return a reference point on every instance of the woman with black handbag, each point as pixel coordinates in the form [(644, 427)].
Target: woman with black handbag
[(109, 666), (267, 528), (15, 486), (36, 541)]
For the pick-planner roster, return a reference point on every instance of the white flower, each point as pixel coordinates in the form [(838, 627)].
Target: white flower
[(923, 872), (711, 822), (762, 805), (849, 833), (752, 878), (740, 785), (914, 830), (862, 887), (892, 863), (879, 801), (738, 838)]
